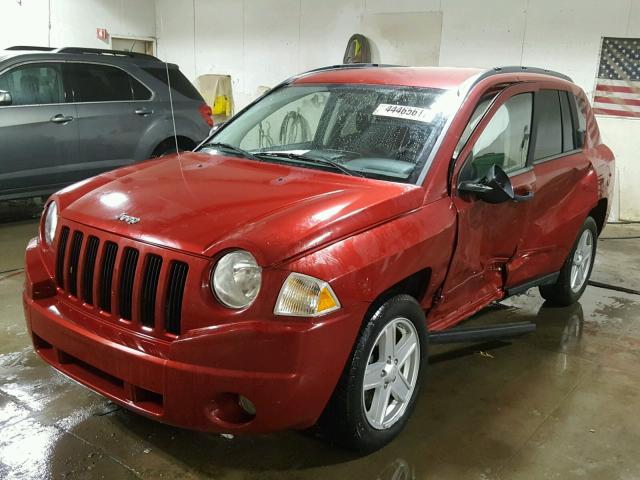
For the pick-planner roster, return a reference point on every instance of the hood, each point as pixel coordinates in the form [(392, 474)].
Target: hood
[(202, 203)]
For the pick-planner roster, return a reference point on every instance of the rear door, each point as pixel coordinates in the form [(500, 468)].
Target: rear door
[(559, 164), (489, 235), (114, 113), (38, 130)]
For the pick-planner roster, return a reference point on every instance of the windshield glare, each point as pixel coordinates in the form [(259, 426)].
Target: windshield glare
[(375, 131)]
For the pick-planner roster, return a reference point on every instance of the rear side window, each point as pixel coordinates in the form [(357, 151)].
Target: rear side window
[(104, 83), (549, 124), (567, 123), (179, 82), (34, 84)]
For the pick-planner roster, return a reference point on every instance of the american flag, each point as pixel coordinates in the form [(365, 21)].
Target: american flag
[(618, 84)]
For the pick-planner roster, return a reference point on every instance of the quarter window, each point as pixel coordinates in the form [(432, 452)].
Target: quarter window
[(178, 81), (504, 141), (476, 116), (581, 105), (34, 84), (567, 123), (103, 83), (549, 124)]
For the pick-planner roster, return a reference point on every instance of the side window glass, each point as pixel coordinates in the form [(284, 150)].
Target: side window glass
[(504, 141), (140, 92), (100, 83), (293, 125), (567, 123), (549, 124), (34, 84), (476, 116)]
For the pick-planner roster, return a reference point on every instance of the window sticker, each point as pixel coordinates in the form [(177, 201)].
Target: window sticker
[(405, 112)]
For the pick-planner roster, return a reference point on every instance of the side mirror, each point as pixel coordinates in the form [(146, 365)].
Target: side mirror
[(216, 127), (5, 98), (495, 187)]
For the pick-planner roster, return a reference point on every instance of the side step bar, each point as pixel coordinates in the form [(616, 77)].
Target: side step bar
[(482, 334)]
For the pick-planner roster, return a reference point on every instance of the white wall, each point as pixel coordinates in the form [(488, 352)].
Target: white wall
[(261, 42), (73, 22)]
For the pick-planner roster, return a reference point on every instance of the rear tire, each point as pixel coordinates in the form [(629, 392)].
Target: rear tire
[(391, 354), (575, 273)]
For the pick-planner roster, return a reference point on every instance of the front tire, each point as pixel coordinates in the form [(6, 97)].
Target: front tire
[(575, 273), (380, 384)]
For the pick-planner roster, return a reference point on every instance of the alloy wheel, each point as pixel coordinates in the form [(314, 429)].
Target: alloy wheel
[(391, 373)]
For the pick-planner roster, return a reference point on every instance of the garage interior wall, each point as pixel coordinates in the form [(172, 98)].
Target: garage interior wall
[(74, 22)]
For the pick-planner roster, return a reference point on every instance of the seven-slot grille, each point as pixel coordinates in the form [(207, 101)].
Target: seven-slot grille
[(101, 273)]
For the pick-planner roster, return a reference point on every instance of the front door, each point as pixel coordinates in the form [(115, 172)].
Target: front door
[(489, 234), (38, 130)]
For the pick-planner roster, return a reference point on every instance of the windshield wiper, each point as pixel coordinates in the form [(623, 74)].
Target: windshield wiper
[(305, 158), (233, 148)]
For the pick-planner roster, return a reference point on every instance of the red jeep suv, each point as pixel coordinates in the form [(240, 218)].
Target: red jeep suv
[(292, 270)]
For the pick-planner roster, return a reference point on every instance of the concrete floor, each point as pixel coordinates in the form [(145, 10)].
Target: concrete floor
[(561, 403)]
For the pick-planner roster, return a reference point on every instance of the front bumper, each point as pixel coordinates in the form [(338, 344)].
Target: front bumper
[(287, 369)]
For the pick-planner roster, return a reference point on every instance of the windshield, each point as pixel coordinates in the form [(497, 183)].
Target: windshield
[(366, 130)]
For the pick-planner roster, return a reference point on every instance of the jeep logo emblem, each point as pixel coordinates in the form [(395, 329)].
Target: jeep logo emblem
[(128, 219)]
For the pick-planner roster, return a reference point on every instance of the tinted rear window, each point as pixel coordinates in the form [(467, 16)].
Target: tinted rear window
[(549, 124), (179, 82), (103, 83)]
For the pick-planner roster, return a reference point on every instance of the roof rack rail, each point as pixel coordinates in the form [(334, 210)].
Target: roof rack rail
[(339, 66), (522, 69), (350, 65), (31, 47), (100, 51)]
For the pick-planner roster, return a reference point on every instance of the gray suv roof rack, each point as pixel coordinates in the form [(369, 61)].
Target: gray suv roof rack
[(82, 50), (100, 51), (29, 47)]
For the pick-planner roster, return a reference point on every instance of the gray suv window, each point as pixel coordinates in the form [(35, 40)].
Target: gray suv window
[(179, 82), (34, 84), (102, 83)]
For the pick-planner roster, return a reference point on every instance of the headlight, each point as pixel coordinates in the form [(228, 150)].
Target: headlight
[(50, 223), (305, 296), (236, 279)]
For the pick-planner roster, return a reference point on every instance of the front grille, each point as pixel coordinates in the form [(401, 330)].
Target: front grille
[(106, 274), (123, 281), (129, 263), (62, 249), (149, 290), (90, 257), (74, 260), (175, 290)]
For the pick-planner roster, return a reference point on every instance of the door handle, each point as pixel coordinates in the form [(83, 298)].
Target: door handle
[(142, 111), (59, 118)]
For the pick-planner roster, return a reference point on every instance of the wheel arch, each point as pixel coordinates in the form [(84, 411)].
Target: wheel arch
[(184, 143), (408, 255), (414, 285), (599, 213)]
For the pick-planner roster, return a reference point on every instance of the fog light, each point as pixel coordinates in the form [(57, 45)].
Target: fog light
[(247, 406)]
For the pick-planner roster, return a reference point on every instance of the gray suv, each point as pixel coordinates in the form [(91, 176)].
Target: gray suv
[(70, 113)]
